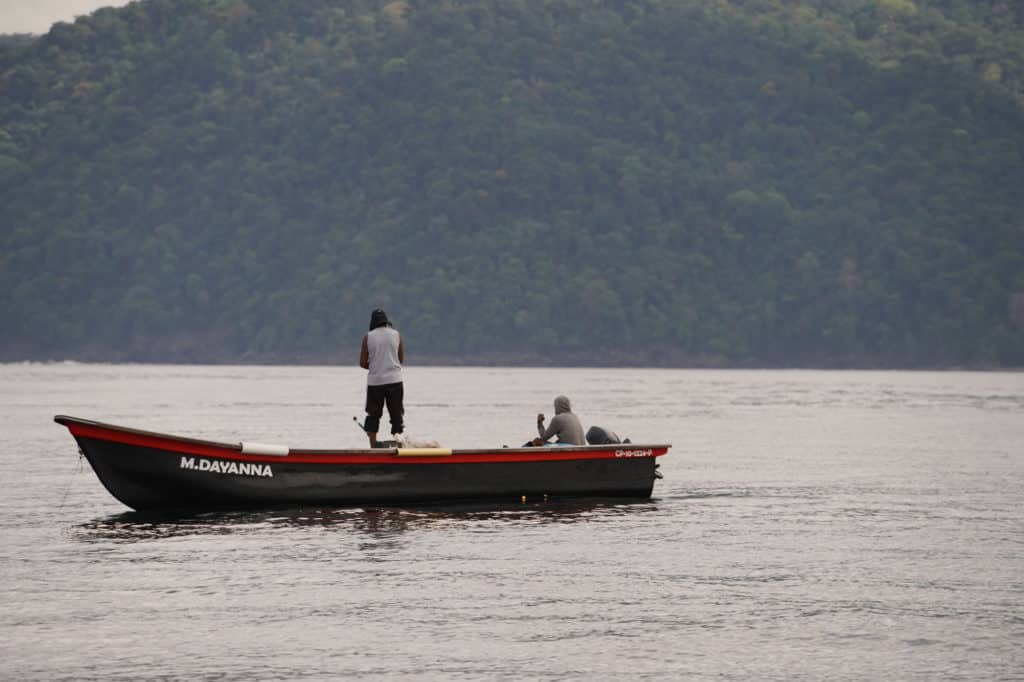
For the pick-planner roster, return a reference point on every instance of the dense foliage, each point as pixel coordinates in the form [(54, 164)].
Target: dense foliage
[(799, 182)]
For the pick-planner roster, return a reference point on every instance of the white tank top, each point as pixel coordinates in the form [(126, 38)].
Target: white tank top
[(382, 346)]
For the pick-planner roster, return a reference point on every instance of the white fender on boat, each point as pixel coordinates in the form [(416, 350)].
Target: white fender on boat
[(264, 449)]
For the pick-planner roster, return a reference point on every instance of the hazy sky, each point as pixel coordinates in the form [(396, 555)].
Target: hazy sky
[(36, 16)]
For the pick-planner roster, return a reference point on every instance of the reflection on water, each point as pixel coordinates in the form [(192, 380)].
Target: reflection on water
[(371, 521)]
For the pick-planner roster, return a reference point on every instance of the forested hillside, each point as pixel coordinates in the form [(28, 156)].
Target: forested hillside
[(734, 182)]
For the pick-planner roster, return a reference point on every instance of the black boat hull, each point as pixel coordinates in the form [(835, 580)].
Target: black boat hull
[(153, 479), (147, 472)]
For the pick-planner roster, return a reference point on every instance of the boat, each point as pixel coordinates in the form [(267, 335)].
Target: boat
[(149, 471)]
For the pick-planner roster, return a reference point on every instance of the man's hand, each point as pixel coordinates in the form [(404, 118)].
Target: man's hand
[(540, 418)]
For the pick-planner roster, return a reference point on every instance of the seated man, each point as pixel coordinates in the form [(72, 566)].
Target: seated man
[(565, 425)]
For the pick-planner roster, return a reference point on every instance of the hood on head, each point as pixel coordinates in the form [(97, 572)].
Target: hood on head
[(562, 405), (378, 318)]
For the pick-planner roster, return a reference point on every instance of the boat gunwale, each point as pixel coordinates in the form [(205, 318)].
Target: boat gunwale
[(235, 449)]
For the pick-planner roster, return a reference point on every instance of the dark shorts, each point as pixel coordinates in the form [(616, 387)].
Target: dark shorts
[(379, 396)]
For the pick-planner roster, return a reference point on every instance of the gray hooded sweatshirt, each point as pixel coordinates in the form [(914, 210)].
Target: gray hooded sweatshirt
[(564, 424)]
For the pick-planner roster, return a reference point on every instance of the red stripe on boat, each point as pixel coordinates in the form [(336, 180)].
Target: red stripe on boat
[(222, 451)]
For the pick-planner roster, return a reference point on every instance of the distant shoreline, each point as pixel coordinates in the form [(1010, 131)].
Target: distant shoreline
[(610, 359)]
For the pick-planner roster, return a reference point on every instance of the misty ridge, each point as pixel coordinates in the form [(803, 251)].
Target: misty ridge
[(662, 182)]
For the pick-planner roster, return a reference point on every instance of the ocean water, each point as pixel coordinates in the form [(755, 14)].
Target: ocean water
[(810, 525)]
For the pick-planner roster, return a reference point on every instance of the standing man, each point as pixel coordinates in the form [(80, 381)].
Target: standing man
[(382, 354)]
